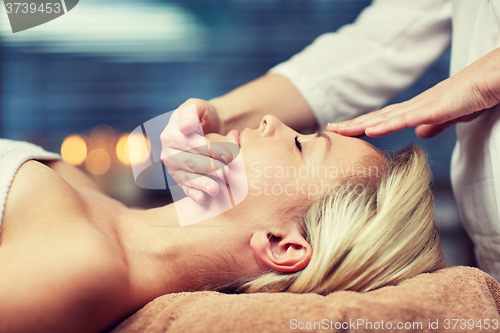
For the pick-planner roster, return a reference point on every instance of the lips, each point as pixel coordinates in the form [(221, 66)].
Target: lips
[(236, 136)]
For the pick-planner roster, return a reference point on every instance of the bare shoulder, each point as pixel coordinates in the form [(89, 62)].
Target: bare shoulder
[(80, 181), (81, 287)]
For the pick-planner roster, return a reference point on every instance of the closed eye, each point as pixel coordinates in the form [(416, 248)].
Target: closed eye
[(297, 143)]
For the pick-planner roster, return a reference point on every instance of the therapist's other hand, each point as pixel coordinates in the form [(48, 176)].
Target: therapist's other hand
[(459, 98), (185, 152)]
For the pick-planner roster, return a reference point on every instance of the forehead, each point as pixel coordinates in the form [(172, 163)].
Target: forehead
[(348, 150)]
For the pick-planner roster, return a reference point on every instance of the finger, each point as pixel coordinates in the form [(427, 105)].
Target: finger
[(374, 116), (194, 143), (188, 121), (378, 114), (431, 130), (363, 118), (196, 195), (357, 126), (331, 127), (221, 151), (197, 182), (407, 119), (224, 151), (173, 142), (195, 164), (176, 146), (218, 172), (206, 185), (349, 131)]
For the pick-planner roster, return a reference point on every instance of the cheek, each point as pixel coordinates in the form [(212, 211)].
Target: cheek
[(275, 179), (263, 161), (275, 175), (264, 153), (316, 187), (304, 182)]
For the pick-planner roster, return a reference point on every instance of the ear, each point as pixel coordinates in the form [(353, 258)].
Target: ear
[(284, 252)]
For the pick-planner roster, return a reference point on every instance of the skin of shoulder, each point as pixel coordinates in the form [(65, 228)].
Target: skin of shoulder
[(61, 290), (59, 272)]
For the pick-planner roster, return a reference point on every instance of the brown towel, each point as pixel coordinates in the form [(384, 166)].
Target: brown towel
[(426, 303)]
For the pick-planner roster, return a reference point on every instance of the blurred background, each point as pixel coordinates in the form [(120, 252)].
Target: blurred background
[(79, 84)]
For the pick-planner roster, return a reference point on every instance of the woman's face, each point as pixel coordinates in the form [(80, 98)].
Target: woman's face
[(281, 163)]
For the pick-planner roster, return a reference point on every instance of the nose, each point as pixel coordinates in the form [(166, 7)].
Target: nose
[(269, 125)]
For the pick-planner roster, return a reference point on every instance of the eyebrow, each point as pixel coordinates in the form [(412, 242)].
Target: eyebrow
[(322, 134)]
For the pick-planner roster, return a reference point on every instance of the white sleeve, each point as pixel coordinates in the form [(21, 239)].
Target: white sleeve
[(361, 66)]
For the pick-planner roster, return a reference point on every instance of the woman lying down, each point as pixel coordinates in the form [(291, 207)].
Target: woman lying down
[(75, 260)]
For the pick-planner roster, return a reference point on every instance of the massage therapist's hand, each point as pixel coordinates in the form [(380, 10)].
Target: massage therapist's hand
[(185, 152), (459, 98)]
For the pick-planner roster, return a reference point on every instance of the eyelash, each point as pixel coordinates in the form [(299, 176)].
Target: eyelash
[(297, 143)]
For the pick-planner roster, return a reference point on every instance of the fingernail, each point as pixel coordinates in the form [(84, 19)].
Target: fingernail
[(369, 128), (199, 198), (220, 174), (208, 189), (342, 125), (186, 122), (224, 158), (332, 124)]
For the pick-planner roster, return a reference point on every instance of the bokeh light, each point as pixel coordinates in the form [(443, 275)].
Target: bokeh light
[(74, 149), (102, 136), (98, 161), (133, 149)]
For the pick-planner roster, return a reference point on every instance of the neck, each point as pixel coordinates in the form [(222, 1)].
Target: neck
[(164, 257), (186, 246)]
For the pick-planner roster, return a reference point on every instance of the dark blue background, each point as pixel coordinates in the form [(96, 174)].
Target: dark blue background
[(45, 97)]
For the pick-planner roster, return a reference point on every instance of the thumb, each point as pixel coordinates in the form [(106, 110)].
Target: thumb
[(431, 130), (189, 121)]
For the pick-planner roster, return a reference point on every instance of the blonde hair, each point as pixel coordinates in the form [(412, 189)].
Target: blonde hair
[(363, 241)]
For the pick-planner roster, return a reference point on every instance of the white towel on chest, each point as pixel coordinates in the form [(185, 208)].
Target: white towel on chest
[(12, 155)]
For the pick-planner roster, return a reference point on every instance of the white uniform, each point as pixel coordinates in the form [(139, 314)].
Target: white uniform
[(361, 66)]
